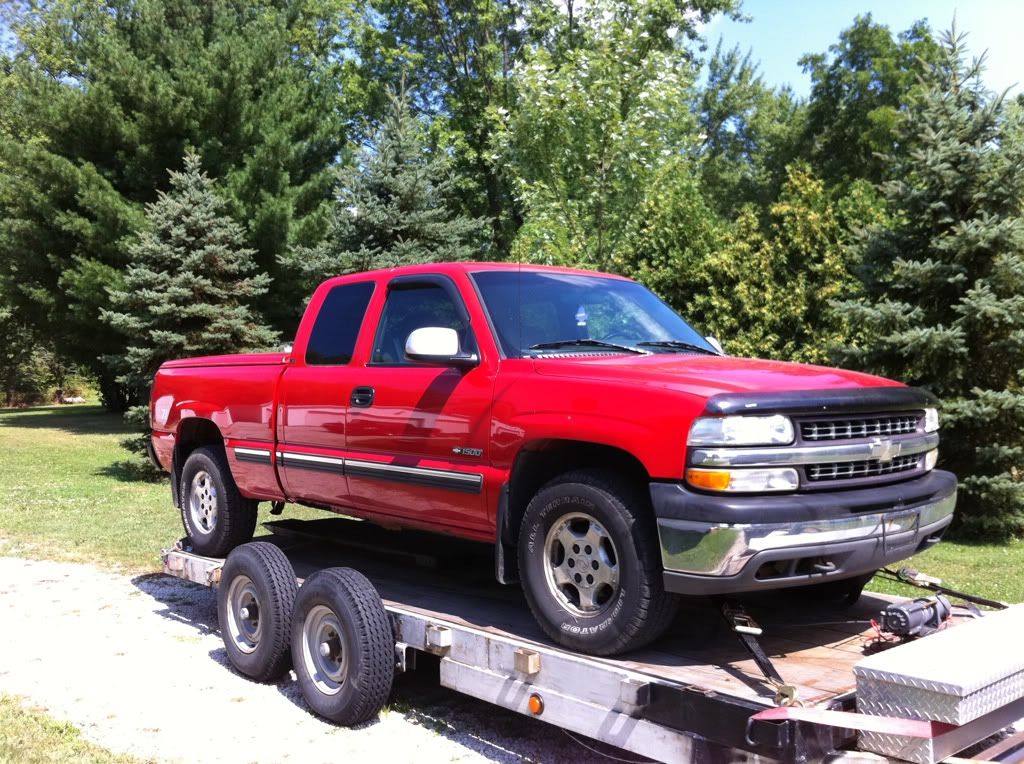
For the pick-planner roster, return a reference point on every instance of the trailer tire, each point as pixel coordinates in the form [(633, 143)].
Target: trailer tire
[(216, 516), (590, 564), (343, 647), (255, 601)]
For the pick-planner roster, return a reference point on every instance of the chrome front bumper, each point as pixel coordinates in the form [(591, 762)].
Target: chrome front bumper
[(727, 556)]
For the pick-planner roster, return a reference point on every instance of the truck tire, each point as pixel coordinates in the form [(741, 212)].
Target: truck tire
[(343, 647), (590, 564), (255, 601), (217, 518)]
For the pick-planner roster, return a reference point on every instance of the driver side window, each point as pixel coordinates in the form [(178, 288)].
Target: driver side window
[(413, 307)]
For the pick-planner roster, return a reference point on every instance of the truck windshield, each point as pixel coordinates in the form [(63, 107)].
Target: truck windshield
[(540, 312)]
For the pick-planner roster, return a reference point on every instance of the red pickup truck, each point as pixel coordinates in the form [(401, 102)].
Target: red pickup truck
[(612, 455)]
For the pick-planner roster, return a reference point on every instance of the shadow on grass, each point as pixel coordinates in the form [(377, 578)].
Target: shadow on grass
[(129, 471), (76, 419)]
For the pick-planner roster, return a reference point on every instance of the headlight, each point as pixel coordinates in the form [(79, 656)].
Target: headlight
[(931, 459), (744, 480), (931, 420), (775, 430)]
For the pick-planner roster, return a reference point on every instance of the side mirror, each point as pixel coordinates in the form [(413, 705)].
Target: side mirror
[(712, 340), (436, 344)]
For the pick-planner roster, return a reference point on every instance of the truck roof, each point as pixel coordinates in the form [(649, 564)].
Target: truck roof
[(470, 267)]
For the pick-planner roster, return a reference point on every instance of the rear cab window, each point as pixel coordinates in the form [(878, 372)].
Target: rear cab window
[(333, 339)]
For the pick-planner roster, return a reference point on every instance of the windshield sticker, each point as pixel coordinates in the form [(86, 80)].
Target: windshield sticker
[(581, 316)]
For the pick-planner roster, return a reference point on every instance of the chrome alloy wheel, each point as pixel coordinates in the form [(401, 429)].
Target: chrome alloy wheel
[(202, 502), (323, 651), (581, 565), (243, 611)]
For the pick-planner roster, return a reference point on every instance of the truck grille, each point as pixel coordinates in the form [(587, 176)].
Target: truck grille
[(861, 427), (864, 469)]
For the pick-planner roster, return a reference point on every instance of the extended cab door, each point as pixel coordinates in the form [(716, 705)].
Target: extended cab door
[(417, 434), (314, 396)]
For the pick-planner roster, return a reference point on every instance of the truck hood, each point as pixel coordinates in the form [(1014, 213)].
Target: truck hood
[(705, 375)]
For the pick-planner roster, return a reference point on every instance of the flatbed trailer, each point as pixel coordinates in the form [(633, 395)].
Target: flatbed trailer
[(694, 695)]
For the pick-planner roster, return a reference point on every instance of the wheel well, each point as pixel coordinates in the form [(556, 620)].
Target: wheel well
[(193, 433), (535, 465)]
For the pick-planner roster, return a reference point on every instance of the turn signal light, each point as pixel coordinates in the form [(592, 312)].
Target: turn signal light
[(709, 480), (535, 704), (744, 480)]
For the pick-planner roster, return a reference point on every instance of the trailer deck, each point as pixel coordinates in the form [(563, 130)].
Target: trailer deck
[(688, 697)]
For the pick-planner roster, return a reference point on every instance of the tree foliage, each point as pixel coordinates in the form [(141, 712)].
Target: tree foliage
[(189, 286), (768, 292), (393, 207), (945, 280), (104, 98), (596, 130), (858, 93)]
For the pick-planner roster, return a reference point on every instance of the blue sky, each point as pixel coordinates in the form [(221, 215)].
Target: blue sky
[(781, 31)]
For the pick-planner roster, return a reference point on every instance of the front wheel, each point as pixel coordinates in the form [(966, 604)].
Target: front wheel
[(590, 565)]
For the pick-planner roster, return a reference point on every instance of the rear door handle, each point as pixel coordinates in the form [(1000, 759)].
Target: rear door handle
[(362, 397)]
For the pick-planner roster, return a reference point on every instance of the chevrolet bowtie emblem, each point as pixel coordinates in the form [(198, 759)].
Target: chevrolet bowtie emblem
[(885, 450)]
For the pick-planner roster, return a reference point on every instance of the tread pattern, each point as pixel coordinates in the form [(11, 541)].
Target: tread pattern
[(236, 517), (274, 651), (376, 642), (656, 608), (368, 686)]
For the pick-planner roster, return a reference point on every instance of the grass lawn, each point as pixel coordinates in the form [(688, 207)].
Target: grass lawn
[(71, 493), (28, 735)]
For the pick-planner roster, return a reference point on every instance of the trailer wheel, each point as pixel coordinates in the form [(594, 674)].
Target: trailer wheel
[(343, 648), (255, 601), (217, 518), (590, 564)]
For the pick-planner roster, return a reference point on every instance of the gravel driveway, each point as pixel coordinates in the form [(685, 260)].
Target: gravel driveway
[(138, 666)]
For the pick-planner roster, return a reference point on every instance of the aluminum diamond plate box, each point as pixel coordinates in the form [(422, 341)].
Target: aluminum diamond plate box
[(955, 676)]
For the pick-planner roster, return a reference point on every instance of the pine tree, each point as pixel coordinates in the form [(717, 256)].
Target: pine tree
[(392, 208), (188, 288), (946, 301)]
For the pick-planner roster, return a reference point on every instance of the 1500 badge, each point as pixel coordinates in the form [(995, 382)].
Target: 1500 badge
[(458, 451)]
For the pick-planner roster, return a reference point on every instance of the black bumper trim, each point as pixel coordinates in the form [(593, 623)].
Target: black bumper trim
[(678, 502)]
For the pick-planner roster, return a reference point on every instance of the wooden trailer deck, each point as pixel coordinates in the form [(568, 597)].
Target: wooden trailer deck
[(813, 647)]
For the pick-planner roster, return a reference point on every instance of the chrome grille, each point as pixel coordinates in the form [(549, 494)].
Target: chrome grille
[(863, 469), (861, 427)]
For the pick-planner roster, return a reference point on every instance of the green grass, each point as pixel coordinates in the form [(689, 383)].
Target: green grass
[(29, 736), (995, 571), (71, 493)]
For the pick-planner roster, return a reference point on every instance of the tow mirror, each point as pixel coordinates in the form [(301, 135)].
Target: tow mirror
[(437, 344)]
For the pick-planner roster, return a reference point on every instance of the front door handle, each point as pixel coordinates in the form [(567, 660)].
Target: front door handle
[(362, 397)]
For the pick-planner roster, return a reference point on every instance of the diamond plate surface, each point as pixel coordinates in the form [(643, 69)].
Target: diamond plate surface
[(954, 676)]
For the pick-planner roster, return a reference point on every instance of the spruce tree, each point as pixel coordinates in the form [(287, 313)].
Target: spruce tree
[(187, 290), (946, 284), (393, 207)]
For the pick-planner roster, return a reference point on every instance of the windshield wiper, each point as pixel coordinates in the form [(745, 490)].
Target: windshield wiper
[(587, 343), (678, 345)]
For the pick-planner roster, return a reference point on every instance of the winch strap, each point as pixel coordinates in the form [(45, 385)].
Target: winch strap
[(885, 725)]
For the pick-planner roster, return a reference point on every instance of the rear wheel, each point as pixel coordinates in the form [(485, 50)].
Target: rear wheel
[(217, 518), (255, 601), (590, 564), (343, 648)]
